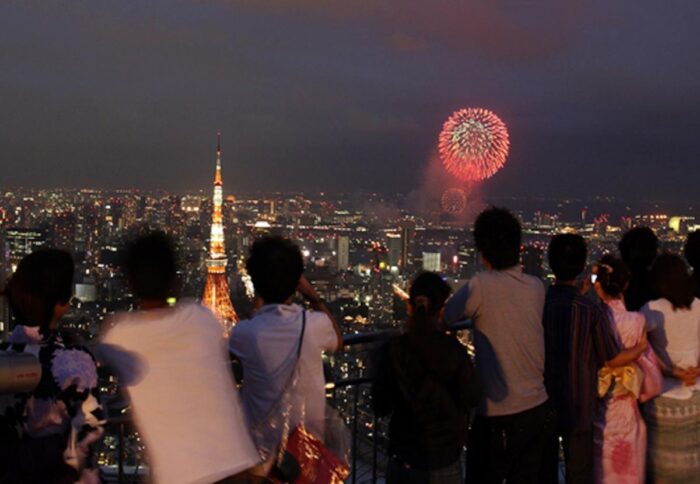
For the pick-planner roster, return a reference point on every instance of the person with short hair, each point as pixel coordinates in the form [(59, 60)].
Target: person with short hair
[(673, 418), (514, 422), (579, 341), (46, 435), (691, 250), (426, 382), (268, 344), (172, 360), (638, 248), (619, 430)]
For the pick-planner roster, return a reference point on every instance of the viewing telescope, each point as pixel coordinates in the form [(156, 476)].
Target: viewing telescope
[(19, 372)]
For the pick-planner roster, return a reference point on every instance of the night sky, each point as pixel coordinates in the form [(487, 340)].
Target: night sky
[(600, 97)]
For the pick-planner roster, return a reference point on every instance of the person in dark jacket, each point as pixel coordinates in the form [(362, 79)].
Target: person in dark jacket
[(638, 249), (426, 382), (691, 250)]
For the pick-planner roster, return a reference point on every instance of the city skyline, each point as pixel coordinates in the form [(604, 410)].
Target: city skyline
[(599, 98)]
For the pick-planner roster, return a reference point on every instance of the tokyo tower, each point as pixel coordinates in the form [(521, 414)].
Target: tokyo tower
[(216, 291)]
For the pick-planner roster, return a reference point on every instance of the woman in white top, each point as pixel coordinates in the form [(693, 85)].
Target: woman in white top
[(673, 419)]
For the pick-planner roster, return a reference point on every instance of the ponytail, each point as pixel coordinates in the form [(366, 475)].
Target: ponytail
[(428, 294)]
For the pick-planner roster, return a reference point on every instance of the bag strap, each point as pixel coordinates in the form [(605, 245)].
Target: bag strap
[(303, 330), (290, 379)]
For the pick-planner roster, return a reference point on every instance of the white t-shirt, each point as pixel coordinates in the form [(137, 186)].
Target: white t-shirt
[(186, 406), (267, 344), (675, 337)]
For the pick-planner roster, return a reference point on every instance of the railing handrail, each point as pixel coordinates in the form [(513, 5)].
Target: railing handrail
[(374, 336)]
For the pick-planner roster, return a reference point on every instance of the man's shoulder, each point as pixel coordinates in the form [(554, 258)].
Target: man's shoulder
[(557, 296), (534, 282), (318, 318)]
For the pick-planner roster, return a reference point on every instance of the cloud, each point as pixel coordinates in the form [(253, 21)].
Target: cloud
[(501, 29), (407, 43)]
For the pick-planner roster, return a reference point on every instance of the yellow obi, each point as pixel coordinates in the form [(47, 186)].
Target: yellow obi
[(624, 380)]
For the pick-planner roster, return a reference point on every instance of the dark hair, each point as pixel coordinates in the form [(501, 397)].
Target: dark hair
[(427, 296), (613, 275), (42, 280), (638, 248), (150, 265), (672, 280), (275, 265), (497, 237), (691, 250), (567, 256)]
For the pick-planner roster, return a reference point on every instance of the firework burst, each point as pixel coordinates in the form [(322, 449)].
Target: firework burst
[(453, 201), (473, 144)]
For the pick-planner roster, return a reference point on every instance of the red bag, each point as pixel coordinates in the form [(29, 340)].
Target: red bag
[(652, 383), (318, 464)]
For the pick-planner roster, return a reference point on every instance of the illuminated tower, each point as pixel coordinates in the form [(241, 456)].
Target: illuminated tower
[(216, 292)]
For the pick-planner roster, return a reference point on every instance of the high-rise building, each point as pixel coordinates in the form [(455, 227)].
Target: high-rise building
[(343, 252), (431, 261), (23, 241), (394, 246), (532, 260), (408, 227), (4, 309), (216, 290)]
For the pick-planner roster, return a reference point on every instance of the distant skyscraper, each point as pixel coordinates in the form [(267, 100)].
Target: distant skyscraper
[(343, 252), (394, 246), (431, 261), (408, 227), (532, 260), (22, 242), (216, 291), (4, 309)]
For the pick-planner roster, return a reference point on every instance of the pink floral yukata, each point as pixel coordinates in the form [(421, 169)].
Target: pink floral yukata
[(620, 432)]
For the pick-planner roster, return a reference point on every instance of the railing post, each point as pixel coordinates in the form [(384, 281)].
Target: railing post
[(375, 439), (354, 434), (121, 454)]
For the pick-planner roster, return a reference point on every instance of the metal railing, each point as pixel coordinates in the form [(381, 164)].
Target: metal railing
[(120, 423)]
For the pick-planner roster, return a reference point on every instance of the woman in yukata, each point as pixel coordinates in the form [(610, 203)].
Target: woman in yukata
[(619, 430)]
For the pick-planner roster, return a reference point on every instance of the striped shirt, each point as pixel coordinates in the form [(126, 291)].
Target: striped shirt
[(578, 342)]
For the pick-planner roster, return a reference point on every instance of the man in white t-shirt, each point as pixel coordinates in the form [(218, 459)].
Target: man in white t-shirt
[(174, 364), (267, 343)]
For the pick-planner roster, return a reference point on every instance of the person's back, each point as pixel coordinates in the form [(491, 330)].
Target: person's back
[(184, 393), (691, 251), (638, 249), (174, 365), (267, 346), (429, 398), (578, 342), (672, 331), (619, 431), (46, 435), (426, 382), (673, 418), (515, 422), (506, 306)]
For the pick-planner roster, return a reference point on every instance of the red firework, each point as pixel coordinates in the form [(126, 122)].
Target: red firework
[(473, 144), (453, 201)]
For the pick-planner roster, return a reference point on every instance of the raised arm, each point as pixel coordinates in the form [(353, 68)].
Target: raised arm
[(456, 306), (309, 293)]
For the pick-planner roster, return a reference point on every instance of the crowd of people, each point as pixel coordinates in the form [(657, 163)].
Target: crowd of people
[(603, 364)]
